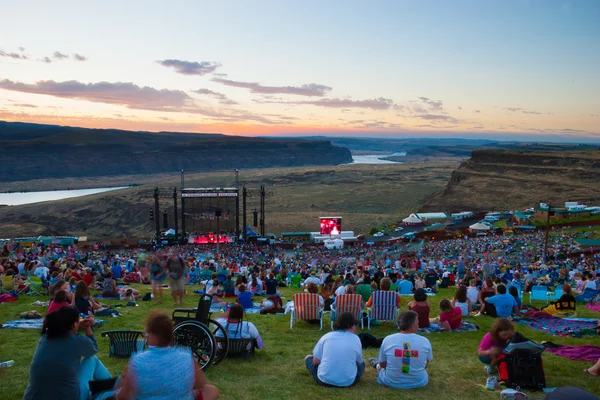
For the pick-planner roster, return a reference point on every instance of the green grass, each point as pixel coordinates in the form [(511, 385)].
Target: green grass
[(500, 224), (594, 231), (278, 371)]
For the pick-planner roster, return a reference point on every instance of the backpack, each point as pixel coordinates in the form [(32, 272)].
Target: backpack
[(175, 268), (521, 367)]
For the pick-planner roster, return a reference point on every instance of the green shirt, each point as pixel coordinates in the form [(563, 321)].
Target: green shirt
[(364, 291)]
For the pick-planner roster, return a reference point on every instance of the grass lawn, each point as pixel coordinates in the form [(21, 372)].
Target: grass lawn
[(278, 371), (500, 224)]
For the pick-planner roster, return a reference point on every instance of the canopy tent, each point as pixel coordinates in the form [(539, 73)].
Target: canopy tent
[(412, 219), (479, 227)]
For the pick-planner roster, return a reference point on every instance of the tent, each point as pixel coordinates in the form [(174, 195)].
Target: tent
[(338, 243), (412, 219), (479, 227)]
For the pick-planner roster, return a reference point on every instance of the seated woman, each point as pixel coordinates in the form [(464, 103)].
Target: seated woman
[(237, 328), (60, 301), (109, 286), (256, 286), (83, 300), (421, 307), (229, 287), (450, 317), (58, 370), (149, 374), (462, 301), (61, 285)]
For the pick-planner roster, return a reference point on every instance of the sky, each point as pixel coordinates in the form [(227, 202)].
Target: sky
[(502, 69)]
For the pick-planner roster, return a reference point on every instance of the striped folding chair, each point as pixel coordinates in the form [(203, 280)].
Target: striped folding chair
[(307, 307), (383, 308), (352, 303)]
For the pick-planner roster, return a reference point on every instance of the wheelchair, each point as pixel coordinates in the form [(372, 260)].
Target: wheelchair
[(195, 329)]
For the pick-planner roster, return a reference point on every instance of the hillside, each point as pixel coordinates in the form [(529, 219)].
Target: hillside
[(364, 195), (31, 151), (517, 179)]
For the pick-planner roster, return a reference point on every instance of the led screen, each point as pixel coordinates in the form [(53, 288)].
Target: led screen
[(331, 226)]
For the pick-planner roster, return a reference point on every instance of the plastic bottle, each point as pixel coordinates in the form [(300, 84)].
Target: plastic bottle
[(7, 364)]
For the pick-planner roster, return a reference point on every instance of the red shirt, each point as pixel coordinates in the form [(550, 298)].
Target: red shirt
[(88, 279), (453, 317), (56, 306)]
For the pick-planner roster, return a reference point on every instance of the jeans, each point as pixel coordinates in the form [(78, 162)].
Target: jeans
[(314, 369), (90, 368)]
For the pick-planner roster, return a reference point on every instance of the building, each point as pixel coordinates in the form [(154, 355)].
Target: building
[(541, 212), (462, 215), (434, 218), (520, 218)]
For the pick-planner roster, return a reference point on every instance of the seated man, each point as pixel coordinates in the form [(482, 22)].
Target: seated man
[(404, 356), (504, 304), (337, 357)]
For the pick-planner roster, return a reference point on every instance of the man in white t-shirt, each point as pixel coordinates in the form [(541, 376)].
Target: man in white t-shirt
[(337, 357), (404, 356)]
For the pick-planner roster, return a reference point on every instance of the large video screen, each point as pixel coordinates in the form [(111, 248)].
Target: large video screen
[(331, 225)]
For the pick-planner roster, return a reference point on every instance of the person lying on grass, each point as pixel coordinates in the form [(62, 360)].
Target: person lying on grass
[(337, 358), (164, 371), (494, 342)]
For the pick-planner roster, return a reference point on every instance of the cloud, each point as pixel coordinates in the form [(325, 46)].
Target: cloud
[(594, 115), (46, 60), (531, 112), (512, 109), (435, 126), (79, 57), (373, 104), (60, 56), (434, 105), (131, 96), (190, 67), (15, 56), (220, 74), (438, 117), (25, 105), (311, 89), (460, 108), (477, 111), (21, 49), (523, 110), (219, 96)]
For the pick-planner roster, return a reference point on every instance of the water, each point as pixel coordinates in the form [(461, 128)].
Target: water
[(376, 158), (19, 198)]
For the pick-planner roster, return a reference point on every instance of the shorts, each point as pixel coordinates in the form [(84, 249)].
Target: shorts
[(177, 284), (485, 359)]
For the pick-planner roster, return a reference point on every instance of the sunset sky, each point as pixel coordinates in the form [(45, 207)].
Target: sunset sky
[(510, 69)]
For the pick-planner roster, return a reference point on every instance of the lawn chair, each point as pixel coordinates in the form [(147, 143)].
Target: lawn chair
[(295, 280), (8, 284), (519, 291), (243, 348), (307, 307), (383, 308), (122, 344), (352, 303), (557, 294), (36, 286), (539, 293)]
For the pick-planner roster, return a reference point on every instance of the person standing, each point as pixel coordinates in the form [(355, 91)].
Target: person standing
[(176, 269), (404, 357), (337, 358)]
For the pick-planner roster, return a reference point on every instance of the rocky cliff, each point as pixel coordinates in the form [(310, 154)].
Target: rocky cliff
[(513, 180), (31, 151)]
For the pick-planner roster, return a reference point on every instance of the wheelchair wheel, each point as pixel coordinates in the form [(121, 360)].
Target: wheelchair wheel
[(199, 338), (222, 340)]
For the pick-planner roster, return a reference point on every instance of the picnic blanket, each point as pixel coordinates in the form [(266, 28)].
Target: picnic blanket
[(412, 294), (593, 306), (100, 297), (254, 310), (585, 352), (35, 323), (464, 327), (576, 327)]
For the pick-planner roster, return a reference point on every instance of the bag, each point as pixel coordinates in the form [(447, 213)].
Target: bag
[(175, 268), (520, 342), (522, 369), (147, 297), (511, 394)]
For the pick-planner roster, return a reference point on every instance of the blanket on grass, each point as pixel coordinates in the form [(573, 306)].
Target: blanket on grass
[(100, 297), (593, 306), (35, 324), (575, 327), (220, 309), (585, 352), (464, 327)]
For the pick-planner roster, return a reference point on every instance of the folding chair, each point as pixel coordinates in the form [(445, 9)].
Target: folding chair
[(307, 307), (351, 303), (383, 308), (122, 344), (36, 286), (8, 284), (241, 348), (557, 294), (539, 293)]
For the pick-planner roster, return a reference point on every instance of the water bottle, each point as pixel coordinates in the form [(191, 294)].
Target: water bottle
[(7, 364)]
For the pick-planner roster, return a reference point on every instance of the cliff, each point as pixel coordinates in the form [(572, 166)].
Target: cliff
[(514, 179), (31, 151)]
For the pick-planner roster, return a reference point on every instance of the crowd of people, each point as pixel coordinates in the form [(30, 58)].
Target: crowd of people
[(490, 274)]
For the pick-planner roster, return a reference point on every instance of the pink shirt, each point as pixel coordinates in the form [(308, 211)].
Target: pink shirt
[(488, 342), (56, 306), (453, 317)]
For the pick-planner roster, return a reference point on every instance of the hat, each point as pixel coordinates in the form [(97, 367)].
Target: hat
[(313, 273)]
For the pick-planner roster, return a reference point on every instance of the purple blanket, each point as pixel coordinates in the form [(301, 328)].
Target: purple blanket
[(586, 352), (593, 306)]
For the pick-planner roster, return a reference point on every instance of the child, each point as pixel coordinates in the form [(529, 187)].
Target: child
[(420, 282), (127, 295), (462, 301), (494, 342), (421, 307), (60, 301), (245, 298), (473, 292), (450, 317), (83, 300), (514, 292)]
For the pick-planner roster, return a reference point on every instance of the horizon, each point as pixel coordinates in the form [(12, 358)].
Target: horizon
[(504, 71)]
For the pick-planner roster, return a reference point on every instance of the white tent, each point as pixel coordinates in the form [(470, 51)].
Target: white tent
[(412, 219), (479, 227), (338, 243), (329, 244)]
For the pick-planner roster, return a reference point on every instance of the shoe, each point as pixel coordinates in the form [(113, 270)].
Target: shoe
[(477, 315), (488, 369), (373, 362)]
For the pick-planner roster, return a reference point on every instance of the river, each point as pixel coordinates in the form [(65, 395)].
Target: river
[(376, 158), (20, 198)]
